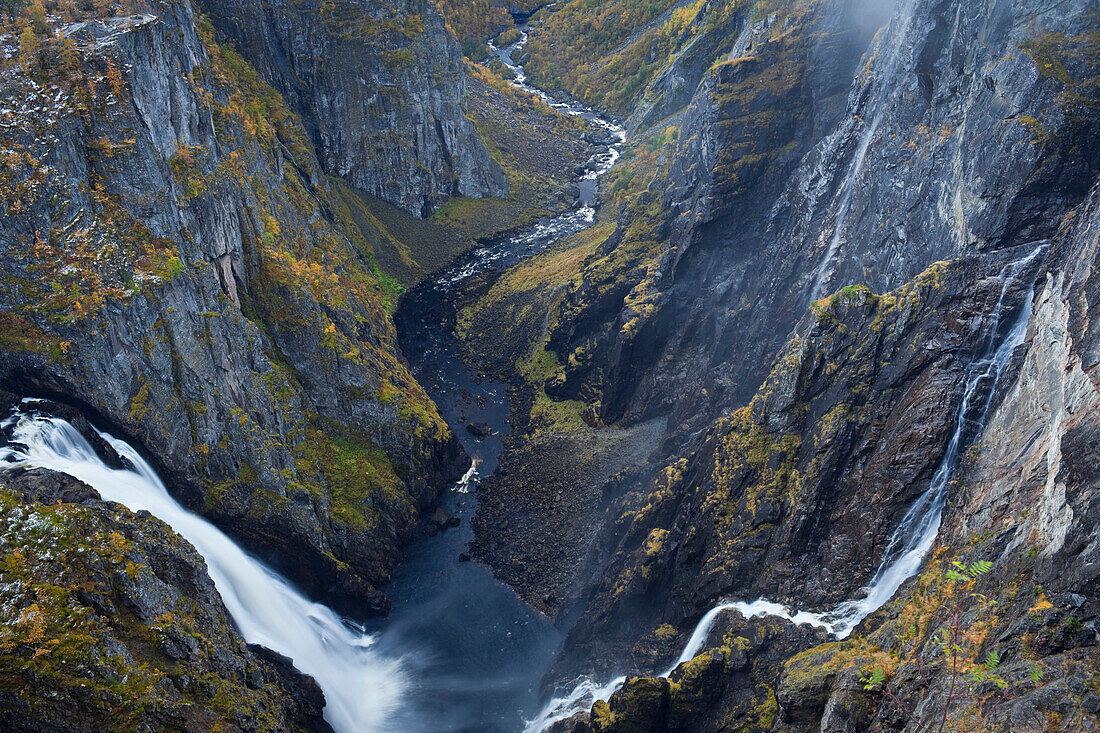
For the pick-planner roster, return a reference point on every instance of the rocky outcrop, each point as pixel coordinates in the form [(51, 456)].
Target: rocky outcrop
[(110, 622), (175, 262), (380, 87), (731, 686), (795, 496)]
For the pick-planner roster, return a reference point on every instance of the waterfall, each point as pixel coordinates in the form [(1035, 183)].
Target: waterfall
[(899, 31), (361, 688), (910, 541), (915, 534)]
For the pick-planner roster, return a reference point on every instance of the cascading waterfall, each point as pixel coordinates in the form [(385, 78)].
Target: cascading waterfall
[(899, 31), (362, 688), (909, 544)]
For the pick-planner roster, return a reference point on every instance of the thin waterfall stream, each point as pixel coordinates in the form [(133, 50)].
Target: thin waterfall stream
[(910, 541), (896, 34)]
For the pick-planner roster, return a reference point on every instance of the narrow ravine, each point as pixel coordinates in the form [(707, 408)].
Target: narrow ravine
[(474, 652), (460, 651)]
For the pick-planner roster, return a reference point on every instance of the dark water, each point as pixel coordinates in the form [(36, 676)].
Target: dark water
[(474, 652)]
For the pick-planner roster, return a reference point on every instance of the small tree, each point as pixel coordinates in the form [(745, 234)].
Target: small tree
[(36, 14), (114, 79), (28, 49), (70, 56), (958, 637)]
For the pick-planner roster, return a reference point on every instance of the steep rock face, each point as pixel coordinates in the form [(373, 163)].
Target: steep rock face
[(730, 687), (111, 622), (1024, 500), (175, 261), (795, 496), (965, 129), (380, 86)]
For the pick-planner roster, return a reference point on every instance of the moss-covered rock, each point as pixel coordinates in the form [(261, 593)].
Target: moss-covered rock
[(110, 622)]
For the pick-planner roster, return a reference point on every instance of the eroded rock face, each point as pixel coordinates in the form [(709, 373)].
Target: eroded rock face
[(803, 169), (728, 687), (1023, 499), (111, 621), (794, 497), (380, 87), (956, 137), (176, 264)]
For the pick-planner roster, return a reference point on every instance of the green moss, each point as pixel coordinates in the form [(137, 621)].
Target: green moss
[(216, 492), (139, 403), (357, 476), (19, 334), (174, 268), (666, 632)]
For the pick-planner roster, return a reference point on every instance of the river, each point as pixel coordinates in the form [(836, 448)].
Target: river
[(474, 652), (459, 651)]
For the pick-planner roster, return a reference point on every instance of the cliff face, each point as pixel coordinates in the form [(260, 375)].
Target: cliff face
[(1008, 647), (380, 87), (928, 176), (963, 130), (175, 260), (112, 621), (1025, 502), (794, 497)]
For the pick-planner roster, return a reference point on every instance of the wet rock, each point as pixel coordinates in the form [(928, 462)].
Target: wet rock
[(49, 487), (442, 519), (732, 680), (600, 137), (479, 429)]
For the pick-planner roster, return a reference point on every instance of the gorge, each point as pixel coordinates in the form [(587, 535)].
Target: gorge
[(686, 365)]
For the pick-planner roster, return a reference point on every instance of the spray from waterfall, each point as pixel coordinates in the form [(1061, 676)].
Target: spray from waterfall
[(911, 540), (362, 688)]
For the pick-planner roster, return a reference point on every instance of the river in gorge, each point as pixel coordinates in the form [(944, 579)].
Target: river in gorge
[(475, 654), (459, 651)]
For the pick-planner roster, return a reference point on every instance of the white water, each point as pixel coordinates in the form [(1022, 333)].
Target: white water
[(361, 688), (551, 230), (908, 546), (897, 33)]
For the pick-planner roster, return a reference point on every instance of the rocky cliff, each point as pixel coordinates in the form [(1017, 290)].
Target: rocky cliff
[(1011, 646), (380, 87), (800, 168), (177, 262), (807, 259)]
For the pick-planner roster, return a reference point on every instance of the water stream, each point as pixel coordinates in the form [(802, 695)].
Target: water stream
[(481, 652), (459, 651), (362, 687), (895, 39)]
